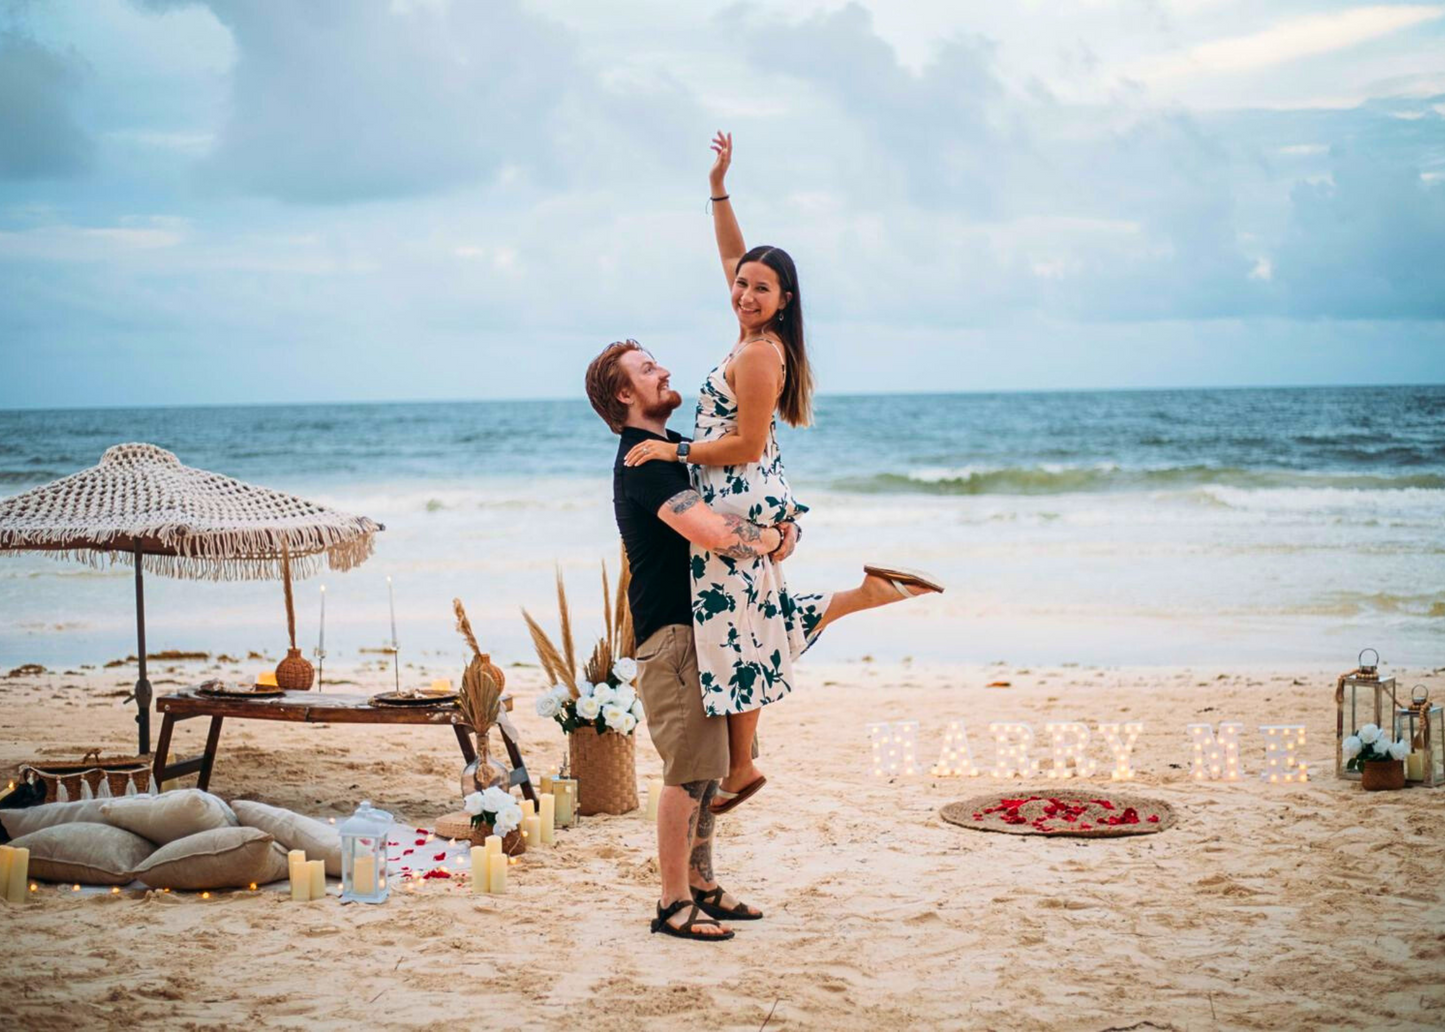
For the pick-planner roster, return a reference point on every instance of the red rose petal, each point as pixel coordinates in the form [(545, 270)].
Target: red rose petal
[(440, 856), (407, 852)]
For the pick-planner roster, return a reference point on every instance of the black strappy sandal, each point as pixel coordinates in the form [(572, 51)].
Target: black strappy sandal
[(686, 929), (711, 904)]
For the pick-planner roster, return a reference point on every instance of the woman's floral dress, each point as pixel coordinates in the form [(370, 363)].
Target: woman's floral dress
[(748, 627)]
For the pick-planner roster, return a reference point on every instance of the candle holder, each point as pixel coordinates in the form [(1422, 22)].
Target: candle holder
[(1360, 699), (1422, 725), (363, 855)]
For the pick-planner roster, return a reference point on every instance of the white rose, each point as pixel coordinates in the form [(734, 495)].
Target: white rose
[(1352, 746), (562, 693), (613, 714), (584, 688), (473, 803), (588, 707), (508, 820), (1399, 750), (624, 696), (494, 799), (628, 723), (637, 710), (625, 670), (1369, 734), (604, 694), (547, 706)]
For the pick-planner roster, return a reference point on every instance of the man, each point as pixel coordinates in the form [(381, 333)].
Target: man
[(658, 514)]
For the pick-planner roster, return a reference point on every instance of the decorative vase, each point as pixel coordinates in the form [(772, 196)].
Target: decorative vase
[(482, 773), (1383, 775), (605, 766), (295, 673), (514, 844)]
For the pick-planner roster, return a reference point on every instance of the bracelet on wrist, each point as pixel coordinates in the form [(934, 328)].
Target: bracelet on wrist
[(716, 200)]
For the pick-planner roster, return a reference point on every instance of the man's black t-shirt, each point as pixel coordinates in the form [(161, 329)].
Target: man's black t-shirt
[(659, 594)]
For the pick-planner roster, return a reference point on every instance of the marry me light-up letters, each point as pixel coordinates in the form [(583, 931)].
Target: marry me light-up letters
[(1216, 755)]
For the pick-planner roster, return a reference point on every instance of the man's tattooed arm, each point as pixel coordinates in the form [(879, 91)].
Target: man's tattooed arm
[(730, 536)]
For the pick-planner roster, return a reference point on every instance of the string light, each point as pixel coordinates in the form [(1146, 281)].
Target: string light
[(1120, 739), (1069, 741), (1011, 745), (955, 759), (1283, 744), (1216, 756)]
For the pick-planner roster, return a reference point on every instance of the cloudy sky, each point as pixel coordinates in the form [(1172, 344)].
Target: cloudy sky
[(224, 201)]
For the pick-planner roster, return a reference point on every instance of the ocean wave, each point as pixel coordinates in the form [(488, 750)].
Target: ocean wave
[(1358, 603), (1049, 479)]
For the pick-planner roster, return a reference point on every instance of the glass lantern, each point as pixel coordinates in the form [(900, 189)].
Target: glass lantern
[(1422, 725), (363, 855), (1360, 699)]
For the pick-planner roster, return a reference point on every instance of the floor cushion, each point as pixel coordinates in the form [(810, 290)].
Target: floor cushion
[(320, 840), (222, 858), (169, 816), (33, 818), (87, 852)]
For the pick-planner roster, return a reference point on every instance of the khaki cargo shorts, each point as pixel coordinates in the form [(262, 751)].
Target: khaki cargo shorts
[(693, 746)]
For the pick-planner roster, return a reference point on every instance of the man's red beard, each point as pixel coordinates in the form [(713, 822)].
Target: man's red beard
[(667, 404)]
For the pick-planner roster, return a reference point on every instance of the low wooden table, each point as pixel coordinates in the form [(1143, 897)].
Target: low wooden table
[(304, 708)]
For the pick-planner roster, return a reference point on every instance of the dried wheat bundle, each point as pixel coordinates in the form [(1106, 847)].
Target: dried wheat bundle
[(480, 698)]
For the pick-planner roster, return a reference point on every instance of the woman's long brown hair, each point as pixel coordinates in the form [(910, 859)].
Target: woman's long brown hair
[(795, 404)]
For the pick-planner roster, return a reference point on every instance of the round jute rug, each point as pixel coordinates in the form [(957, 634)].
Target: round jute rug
[(1077, 814)]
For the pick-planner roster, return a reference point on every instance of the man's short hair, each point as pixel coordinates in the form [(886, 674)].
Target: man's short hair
[(605, 377)]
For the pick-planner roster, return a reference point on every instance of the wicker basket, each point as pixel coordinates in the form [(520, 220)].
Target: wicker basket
[(605, 766), (91, 778), (459, 826), (1383, 776), (295, 673)]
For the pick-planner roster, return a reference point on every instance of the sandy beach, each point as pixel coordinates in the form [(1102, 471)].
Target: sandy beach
[(1265, 907)]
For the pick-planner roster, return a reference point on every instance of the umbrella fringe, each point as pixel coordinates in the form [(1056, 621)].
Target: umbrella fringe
[(341, 556)]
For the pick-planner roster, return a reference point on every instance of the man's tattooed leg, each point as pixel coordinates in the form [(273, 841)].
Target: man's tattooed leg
[(700, 859)]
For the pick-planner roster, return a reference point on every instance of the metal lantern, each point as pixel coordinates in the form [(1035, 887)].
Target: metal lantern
[(363, 855), (1422, 725), (1360, 698)]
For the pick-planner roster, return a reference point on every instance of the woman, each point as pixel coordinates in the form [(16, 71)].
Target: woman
[(748, 627)]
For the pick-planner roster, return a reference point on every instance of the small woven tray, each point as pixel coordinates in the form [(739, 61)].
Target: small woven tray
[(221, 690), (404, 699), (1091, 818)]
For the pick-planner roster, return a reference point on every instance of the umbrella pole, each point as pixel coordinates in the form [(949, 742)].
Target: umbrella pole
[(142, 686)]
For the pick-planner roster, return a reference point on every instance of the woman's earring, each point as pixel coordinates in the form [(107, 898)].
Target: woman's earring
[(780, 315)]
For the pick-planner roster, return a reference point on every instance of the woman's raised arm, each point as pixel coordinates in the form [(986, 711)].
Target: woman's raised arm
[(730, 246)]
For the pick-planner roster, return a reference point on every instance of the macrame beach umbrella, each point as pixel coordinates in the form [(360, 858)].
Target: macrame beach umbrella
[(141, 507)]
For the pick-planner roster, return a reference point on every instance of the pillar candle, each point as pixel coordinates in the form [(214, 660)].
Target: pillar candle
[(18, 884), (267, 678), (1415, 766), (529, 809), (532, 828), (548, 817), (300, 876), (654, 796), (363, 875), (497, 874), (564, 790), (479, 869), (442, 686), (546, 787), (7, 854), (317, 870)]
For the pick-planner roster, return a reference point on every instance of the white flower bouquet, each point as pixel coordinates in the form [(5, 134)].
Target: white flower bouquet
[(495, 807), (1370, 744), (604, 697)]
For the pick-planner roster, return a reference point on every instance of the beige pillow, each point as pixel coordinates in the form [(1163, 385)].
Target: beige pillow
[(33, 818), (170, 815), (222, 858), (85, 852), (293, 831)]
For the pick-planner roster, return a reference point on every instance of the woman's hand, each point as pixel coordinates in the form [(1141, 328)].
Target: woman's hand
[(651, 451), (789, 530), (722, 146)]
